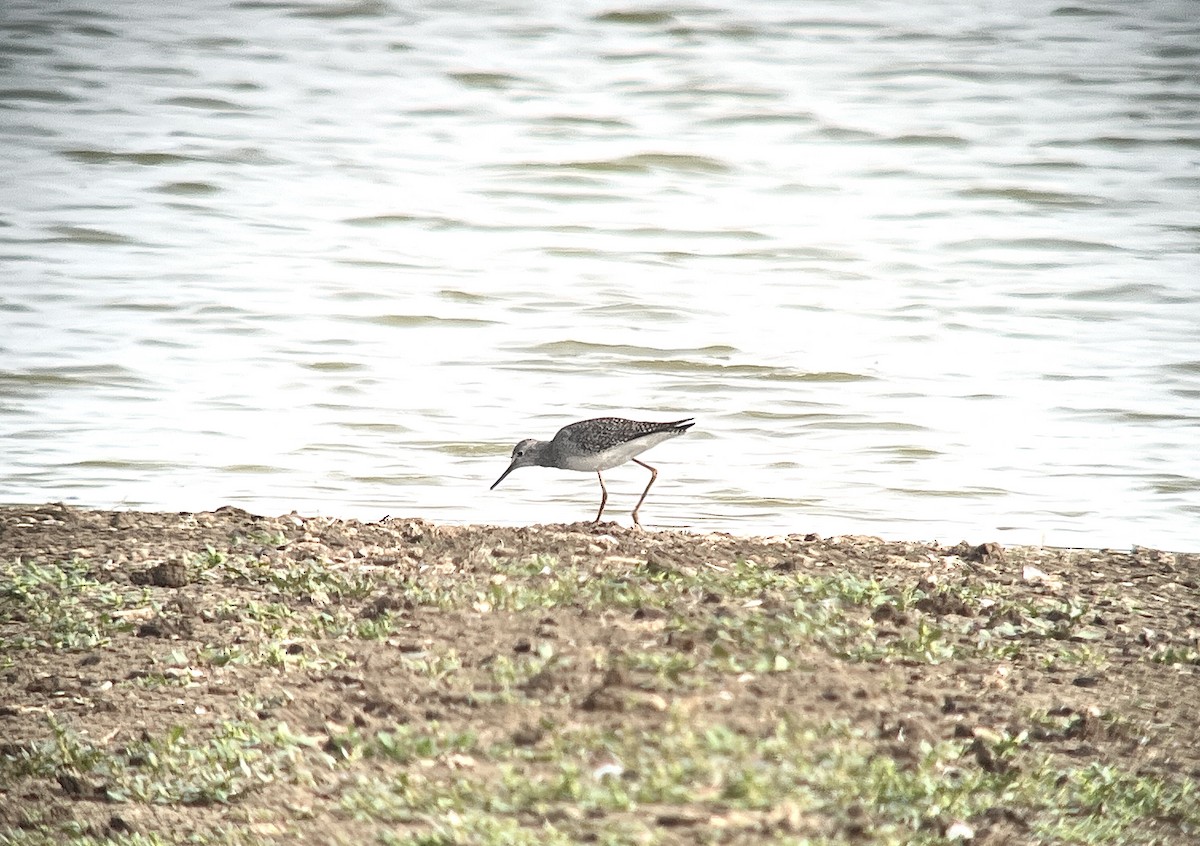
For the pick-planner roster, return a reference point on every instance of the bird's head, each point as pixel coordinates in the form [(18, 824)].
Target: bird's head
[(524, 454)]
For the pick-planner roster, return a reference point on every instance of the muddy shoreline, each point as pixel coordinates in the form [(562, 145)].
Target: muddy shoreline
[(293, 652)]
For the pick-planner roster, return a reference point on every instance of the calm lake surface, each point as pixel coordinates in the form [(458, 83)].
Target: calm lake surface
[(925, 271)]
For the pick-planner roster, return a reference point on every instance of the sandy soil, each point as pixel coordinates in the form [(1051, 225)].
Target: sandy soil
[(138, 649)]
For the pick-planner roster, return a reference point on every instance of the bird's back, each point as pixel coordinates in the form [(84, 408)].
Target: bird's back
[(605, 442)]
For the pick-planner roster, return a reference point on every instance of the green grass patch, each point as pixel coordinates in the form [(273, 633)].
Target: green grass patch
[(579, 779), (175, 767), (61, 606), (309, 579)]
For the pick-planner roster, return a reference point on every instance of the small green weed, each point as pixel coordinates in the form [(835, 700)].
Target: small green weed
[(61, 606), (171, 768)]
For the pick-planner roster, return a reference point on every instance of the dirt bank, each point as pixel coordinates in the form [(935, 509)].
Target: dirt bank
[(226, 677)]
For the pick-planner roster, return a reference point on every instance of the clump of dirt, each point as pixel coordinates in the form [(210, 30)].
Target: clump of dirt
[(278, 679)]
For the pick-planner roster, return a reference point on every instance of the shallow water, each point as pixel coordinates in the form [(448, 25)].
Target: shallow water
[(925, 272)]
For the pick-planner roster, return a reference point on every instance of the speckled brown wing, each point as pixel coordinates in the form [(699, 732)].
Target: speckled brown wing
[(603, 433)]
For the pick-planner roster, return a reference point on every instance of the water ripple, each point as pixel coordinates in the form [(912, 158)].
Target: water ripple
[(907, 269), (637, 163)]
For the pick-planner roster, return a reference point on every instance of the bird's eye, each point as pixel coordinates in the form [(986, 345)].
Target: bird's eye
[(520, 452)]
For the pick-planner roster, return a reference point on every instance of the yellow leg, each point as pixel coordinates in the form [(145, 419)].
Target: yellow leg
[(603, 497), (653, 476)]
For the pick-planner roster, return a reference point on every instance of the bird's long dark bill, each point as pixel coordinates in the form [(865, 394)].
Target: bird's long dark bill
[(501, 479)]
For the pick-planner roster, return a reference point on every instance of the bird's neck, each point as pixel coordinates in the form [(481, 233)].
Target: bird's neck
[(543, 454)]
